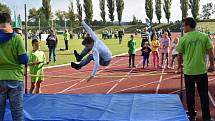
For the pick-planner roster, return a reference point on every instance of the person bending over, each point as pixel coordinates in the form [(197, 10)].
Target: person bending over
[(100, 52)]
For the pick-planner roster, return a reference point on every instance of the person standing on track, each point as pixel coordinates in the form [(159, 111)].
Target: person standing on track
[(144, 36), (192, 49), (37, 59), (165, 44), (146, 50), (132, 51), (100, 52), (155, 45), (12, 58)]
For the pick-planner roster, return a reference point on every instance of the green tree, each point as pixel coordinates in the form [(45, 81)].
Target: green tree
[(119, 9), (167, 7), (79, 9), (149, 9), (102, 8), (184, 7), (158, 10), (4, 8), (194, 6), (32, 13), (88, 9), (207, 11), (71, 14), (111, 9), (46, 9)]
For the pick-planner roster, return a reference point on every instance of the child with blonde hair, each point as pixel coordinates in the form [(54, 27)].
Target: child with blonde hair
[(174, 52)]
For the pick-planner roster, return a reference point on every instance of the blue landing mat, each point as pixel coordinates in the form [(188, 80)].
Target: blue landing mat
[(102, 107)]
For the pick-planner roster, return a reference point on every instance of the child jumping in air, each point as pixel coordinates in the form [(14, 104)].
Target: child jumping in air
[(174, 52), (155, 44), (100, 52), (132, 51), (146, 50), (165, 42), (37, 60)]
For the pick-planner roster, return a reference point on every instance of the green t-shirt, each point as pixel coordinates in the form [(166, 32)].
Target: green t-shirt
[(37, 56), (66, 36), (194, 46), (132, 47), (10, 67)]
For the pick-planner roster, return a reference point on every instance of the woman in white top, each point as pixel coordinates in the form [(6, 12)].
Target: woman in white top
[(174, 52)]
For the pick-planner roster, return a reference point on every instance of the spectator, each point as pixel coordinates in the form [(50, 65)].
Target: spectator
[(13, 56), (51, 42), (193, 48)]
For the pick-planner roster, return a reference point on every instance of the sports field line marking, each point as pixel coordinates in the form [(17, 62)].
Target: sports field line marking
[(143, 85), (210, 80), (86, 78), (115, 85), (69, 63), (93, 85), (160, 80), (211, 98), (99, 84)]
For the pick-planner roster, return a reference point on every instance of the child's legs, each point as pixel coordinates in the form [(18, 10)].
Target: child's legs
[(32, 87), (167, 59), (133, 60), (173, 60), (86, 60), (85, 51), (154, 57), (144, 59), (157, 55), (38, 84), (162, 57), (129, 60), (147, 60)]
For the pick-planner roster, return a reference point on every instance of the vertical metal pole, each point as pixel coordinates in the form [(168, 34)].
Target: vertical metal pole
[(39, 23), (182, 33), (26, 47)]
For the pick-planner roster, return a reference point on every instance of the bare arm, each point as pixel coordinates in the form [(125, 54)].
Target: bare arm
[(211, 59), (180, 61)]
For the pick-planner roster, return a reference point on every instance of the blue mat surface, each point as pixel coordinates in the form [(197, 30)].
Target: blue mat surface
[(101, 107)]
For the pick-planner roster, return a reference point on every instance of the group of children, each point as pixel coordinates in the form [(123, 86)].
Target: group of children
[(155, 47)]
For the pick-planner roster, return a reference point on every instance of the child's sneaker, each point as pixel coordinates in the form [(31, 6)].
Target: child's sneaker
[(77, 56), (75, 66)]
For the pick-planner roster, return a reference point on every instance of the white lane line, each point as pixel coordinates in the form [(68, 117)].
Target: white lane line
[(160, 80), (86, 78), (142, 85), (211, 98), (115, 85), (93, 85)]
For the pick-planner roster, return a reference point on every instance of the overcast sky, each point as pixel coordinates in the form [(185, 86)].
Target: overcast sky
[(132, 8)]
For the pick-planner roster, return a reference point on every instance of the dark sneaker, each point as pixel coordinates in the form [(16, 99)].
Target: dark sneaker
[(77, 56), (75, 66)]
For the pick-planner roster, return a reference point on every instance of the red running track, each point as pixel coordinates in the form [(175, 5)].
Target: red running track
[(162, 84)]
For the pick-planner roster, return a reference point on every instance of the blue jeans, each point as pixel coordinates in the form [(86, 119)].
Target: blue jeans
[(52, 50), (12, 90), (89, 58)]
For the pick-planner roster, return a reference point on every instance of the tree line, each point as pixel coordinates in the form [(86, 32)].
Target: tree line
[(46, 16)]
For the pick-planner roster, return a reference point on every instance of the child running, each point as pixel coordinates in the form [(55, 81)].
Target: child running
[(155, 44), (146, 50), (132, 51), (37, 60), (165, 49), (100, 52), (174, 52)]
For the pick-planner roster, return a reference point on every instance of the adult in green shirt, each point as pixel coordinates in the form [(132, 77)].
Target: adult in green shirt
[(12, 58), (66, 39), (132, 51), (192, 49)]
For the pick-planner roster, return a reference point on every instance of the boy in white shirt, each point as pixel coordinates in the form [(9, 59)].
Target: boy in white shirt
[(100, 52)]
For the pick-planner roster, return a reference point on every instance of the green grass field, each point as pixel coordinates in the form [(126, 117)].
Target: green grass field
[(65, 57)]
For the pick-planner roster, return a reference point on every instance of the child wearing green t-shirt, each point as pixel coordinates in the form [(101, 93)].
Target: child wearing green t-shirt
[(132, 51), (37, 60)]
